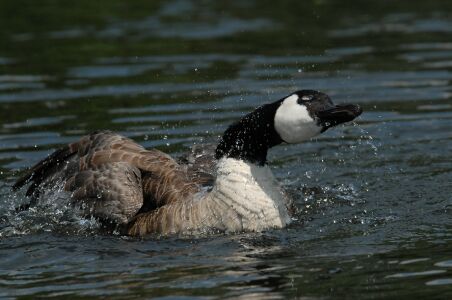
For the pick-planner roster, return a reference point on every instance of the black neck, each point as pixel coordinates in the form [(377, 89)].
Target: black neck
[(250, 138)]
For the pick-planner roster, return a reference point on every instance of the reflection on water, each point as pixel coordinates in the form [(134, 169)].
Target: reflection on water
[(373, 197)]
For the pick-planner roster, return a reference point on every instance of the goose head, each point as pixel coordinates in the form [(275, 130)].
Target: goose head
[(295, 118)]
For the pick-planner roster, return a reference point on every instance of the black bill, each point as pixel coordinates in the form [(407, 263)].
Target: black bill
[(338, 114)]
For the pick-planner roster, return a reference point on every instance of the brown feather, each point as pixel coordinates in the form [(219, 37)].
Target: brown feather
[(111, 177)]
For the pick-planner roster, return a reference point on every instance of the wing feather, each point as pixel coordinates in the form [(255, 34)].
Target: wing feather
[(112, 177)]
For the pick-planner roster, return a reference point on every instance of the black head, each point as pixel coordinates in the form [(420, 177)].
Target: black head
[(293, 119), (306, 113)]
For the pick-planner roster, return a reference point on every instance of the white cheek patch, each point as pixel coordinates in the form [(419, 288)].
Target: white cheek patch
[(293, 122)]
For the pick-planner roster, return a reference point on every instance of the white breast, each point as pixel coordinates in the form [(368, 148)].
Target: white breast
[(252, 193)]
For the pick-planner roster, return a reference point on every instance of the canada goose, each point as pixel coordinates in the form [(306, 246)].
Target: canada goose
[(144, 191)]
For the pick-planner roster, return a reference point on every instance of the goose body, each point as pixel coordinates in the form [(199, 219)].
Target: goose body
[(245, 197), (116, 180)]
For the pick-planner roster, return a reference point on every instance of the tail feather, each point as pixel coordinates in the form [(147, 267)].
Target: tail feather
[(41, 170)]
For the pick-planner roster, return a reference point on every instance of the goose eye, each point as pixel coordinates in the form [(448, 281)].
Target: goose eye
[(305, 98)]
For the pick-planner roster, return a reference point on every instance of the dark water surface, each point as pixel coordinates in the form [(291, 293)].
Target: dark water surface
[(374, 197)]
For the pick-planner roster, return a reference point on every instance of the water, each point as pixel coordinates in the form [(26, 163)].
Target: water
[(374, 197)]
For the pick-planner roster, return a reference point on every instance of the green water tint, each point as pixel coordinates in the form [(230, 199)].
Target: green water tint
[(373, 197)]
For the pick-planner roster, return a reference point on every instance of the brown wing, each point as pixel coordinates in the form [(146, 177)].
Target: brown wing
[(109, 189), (111, 176)]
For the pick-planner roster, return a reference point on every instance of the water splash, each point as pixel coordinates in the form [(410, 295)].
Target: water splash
[(367, 139), (52, 213)]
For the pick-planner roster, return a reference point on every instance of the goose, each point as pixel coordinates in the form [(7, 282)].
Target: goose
[(231, 189)]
